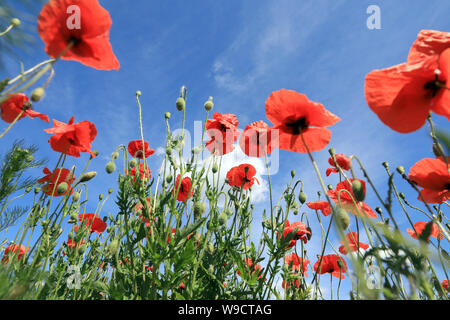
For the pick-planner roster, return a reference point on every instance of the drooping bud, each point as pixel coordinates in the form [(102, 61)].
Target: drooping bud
[(15, 22), (115, 155), (62, 188), (110, 190), (76, 197), (199, 209), (342, 218), (215, 168), (88, 176), (138, 93), (167, 115), (133, 163), (385, 164), (223, 218), (330, 187), (438, 150), (181, 104), (401, 170), (302, 197), (358, 190), (110, 167), (37, 190), (37, 94), (28, 189)]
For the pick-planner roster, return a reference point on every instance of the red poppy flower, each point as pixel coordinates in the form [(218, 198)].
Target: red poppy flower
[(135, 149), (429, 43), (445, 284), (242, 176), (93, 221), (223, 131), (353, 243), (53, 180), (183, 188), (148, 173), (72, 138), (14, 105), (298, 264), (139, 208), (323, 206), (419, 227), (182, 286), (251, 267), (83, 24), (342, 160), (333, 264), (292, 113), (433, 176), (257, 139), (290, 284), (402, 96), (301, 233), (71, 243), (169, 238), (14, 248), (346, 200)]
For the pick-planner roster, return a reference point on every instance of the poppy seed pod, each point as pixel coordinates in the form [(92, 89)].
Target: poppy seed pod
[(358, 190), (15, 22), (209, 105), (342, 218), (302, 197), (181, 104), (110, 167), (88, 176), (37, 94), (62, 188)]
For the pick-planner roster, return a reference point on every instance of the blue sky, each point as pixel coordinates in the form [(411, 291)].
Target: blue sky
[(238, 52)]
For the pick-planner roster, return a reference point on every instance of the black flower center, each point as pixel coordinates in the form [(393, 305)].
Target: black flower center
[(298, 126)]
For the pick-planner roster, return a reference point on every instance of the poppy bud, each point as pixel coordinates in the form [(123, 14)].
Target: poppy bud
[(199, 209), (167, 115), (28, 189), (82, 249), (401, 170), (169, 178), (223, 218), (385, 164), (215, 168), (138, 93), (292, 174), (37, 94), (302, 197), (181, 104), (402, 195), (209, 104), (115, 155), (378, 210), (15, 22), (110, 167), (100, 196), (330, 187), (37, 190), (62, 188), (342, 218), (358, 190), (228, 212), (95, 152), (110, 190), (113, 246), (133, 163), (88, 176), (332, 151), (211, 269), (340, 264), (76, 197), (438, 150), (210, 247)]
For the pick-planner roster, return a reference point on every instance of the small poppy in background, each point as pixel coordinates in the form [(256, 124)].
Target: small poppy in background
[(429, 43), (257, 139), (79, 31), (444, 284), (182, 286), (293, 114), (172, 232), (353, 243), (402, 96), (135, 148), (223, 131), (290, 284), (53, 179), (251, 267), (323, 206), (143, 215), (72, 138), (183, 188), (333, 264), (433, 176), (301, 232), (242, 176), (15, 104), (346, 200), (419, 228), (342, 160), (71, 243), (298, 263), (14, 248), (93, 221), (133, 171)]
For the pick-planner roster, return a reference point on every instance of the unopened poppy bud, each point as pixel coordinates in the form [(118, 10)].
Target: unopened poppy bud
[(215, 168), (62, 188), (228, 212), (402, 195), (342, 218), (95, 152), (133, 163), (28, 189), (209, 104), (332, 151), (15, 22), (438, 150), (110, 167), (100, 196), (169, 178), (37, 190), (138, 93), (113, 246), (110, 190), (292, 173), (199, 209), (358, 190), (340, 264), (401, 170), (210, 247), (37, 94), (302, 197), (115, 155), (378, 210), (88, 176), (82, 249), (76, 197), (167, 115), (181, 104), (223, 218), (330, 187), (385, 164), (211, 268)]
